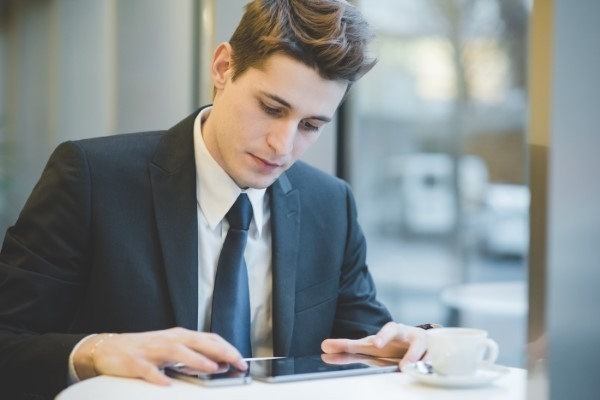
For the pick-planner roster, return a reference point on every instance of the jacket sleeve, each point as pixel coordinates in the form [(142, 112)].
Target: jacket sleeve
[(358, 313), (42, 274)]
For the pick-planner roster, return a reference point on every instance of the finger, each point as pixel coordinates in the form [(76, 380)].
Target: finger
[(337, 358), (415, 351), (209, 345), (390, 331), (332, 346), (364, 345), (149, 372), (217, 349), (192, 359)]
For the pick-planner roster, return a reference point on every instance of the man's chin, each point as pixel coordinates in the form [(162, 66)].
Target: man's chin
[(257, 182)]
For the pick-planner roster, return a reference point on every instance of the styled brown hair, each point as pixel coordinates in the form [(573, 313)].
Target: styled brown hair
[(330, 36)]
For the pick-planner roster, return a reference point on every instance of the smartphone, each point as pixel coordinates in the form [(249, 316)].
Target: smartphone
[(318, 367), (229, 376)]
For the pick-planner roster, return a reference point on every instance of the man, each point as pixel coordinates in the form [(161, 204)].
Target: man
[(110, 268)]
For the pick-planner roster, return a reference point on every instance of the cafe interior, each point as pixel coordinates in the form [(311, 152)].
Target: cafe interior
[(477, 134)]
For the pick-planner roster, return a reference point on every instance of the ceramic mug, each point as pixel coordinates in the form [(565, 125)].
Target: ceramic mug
[(460, 351)]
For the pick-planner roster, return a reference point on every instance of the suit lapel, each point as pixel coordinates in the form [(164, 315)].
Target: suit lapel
[(173, 178), (285, 210)]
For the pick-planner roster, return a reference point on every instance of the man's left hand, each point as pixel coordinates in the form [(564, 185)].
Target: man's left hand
[(393, 341)]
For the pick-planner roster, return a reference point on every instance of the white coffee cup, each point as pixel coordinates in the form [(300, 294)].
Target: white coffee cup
[(460, 351)]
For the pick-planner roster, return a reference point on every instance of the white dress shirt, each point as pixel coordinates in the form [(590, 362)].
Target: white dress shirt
[(216, 192)]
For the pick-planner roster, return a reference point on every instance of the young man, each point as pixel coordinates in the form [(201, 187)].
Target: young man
[(110, 268)]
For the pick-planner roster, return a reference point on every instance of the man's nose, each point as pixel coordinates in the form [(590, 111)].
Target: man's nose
[(281, 138)]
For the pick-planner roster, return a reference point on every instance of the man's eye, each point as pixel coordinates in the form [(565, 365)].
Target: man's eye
[(308, 126), (270, 110)]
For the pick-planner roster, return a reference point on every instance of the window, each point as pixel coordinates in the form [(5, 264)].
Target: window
[(438, 163)]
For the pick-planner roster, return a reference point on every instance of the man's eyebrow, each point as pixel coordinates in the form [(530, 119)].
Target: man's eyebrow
[(288, 105)]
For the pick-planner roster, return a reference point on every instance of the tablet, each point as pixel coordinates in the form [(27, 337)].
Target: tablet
[(230, 376), (318, 367)]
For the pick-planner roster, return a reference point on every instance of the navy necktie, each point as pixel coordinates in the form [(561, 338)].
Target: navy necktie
[(230, 316)]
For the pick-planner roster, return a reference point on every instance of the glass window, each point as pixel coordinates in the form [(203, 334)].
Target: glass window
[(437, 163)]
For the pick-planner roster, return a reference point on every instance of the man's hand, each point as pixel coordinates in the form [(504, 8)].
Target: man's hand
[(393, 341), (141, 355)]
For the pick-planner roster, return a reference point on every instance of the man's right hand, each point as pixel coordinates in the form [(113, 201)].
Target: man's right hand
[(142, 355)]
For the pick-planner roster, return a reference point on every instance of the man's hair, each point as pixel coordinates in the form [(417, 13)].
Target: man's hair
[(330, 36)]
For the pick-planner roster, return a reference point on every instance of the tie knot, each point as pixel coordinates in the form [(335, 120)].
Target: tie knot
[(240, 213)]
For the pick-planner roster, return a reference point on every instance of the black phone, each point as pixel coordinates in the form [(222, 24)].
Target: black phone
[(227, 376)]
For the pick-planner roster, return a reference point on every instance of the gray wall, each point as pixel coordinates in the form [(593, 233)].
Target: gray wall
[(72, 69), (153, 63), (565, 142)]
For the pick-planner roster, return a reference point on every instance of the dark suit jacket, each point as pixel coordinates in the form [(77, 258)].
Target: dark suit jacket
[(107, 242)]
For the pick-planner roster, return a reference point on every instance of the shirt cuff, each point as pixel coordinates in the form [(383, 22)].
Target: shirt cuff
[(72, 377)]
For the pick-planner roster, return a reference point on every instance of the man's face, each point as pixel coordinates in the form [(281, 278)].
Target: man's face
[(262, 122)]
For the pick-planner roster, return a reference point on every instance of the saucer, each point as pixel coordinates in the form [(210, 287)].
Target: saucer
[(483, 376)]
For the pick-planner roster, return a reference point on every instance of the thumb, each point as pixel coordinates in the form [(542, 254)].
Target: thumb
[(336, 346), (361, 346)]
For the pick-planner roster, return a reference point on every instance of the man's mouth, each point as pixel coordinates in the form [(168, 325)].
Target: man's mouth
[(267, 164)]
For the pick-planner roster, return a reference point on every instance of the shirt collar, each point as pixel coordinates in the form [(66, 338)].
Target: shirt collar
[(215, 190)]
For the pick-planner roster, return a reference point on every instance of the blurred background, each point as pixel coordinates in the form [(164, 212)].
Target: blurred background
[(432, 141), (437, 160)]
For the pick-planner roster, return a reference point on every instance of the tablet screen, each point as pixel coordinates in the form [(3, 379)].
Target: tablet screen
[(318, 366)]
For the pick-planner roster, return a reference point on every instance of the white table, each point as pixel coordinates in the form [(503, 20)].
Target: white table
[(381, 386)]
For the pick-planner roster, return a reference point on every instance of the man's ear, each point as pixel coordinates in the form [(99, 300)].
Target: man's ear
[(221, 66)]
